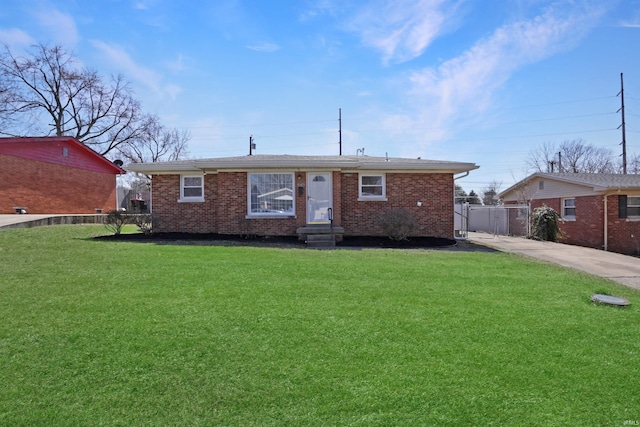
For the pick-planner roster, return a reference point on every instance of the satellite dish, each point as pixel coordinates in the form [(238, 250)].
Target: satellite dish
[(118, 163)]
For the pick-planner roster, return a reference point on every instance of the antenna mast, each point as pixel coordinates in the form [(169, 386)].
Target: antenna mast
[(624, 133)]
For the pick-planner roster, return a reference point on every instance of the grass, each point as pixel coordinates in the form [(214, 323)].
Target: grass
[(114, 333)]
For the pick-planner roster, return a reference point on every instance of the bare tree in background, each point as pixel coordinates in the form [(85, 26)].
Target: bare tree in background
[(490, 191), (633, 164), (579, 157), (574, 156), (47, 91), (157, 143)]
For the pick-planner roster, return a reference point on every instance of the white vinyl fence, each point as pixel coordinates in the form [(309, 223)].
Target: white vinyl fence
[(498, 220)]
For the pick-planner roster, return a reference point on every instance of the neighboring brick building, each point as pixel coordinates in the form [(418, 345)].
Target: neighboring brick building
[(270, 195), (600, 211), (55, 175)]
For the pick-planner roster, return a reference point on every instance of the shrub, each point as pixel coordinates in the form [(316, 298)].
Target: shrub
[(545, 224), (398, 223), (115, 220), (144, 222)]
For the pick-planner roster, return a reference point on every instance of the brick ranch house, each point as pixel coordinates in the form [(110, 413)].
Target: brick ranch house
[(600, 211), (284, 195), (57, 175)]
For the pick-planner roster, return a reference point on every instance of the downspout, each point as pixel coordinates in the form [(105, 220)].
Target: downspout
[(458, 177), (606, 225)]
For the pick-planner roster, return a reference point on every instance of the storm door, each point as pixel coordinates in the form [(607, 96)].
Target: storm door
[(319, 198)]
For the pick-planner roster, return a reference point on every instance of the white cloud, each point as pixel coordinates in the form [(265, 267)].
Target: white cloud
[(15, 37), (318, 8), (462, 87), (123, 61), (61, 26), (264, 47), (401, 30)]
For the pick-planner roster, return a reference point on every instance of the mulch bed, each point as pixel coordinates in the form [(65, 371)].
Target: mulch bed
[(349, 242)]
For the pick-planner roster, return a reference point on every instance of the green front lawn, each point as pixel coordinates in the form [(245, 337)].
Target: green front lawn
[(114, 333)]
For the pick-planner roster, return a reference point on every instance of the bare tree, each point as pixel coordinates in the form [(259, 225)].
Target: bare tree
[(543, 157), (50, 85), (571, 156), (157, 143), (490, 191), (633, 164), (579, 157)]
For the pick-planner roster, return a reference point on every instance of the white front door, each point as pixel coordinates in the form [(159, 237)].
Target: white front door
[(319, 198)]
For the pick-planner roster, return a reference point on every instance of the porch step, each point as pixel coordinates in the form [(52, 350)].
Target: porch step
[(312, 229), (321, 241)]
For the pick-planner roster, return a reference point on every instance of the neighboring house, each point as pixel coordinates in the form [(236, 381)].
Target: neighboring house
[(280, 195), (599, 211), (57, 175)]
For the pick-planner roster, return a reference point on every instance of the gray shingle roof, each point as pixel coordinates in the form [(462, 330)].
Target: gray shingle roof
[(596, 181), (266, 161)]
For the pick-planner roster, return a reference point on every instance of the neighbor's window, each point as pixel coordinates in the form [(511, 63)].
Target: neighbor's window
[(569, 208), (191, 188), (271, 194), (633, 206), (523, 213), (372, 186)]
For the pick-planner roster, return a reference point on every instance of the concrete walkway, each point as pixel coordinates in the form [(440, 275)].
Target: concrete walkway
[(619, 268)]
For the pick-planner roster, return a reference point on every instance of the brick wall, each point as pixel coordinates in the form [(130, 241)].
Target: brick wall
[(191, 217), (404, 190), (588, 228), (623, 233), (44, 188), (225, 208)]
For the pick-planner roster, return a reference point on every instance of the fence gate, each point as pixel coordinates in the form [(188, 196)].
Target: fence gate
[(498, 220)]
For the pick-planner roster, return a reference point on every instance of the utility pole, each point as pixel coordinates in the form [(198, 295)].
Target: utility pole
[(340, 129), (252, 146), (624, 133)]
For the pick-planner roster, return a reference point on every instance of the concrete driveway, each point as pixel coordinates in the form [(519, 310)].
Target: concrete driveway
[(609, 265)]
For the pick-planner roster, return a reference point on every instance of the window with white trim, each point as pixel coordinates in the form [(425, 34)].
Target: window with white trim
[(633, 206), (271, 194), (191, 188), (569, 208), (372, 187)]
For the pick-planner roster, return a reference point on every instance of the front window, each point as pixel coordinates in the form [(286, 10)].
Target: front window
[(569, 208), (191, 188), (271, 194), (633, 206), (372, 186)]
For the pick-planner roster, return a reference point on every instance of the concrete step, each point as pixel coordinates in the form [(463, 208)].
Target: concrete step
[(321, 241)]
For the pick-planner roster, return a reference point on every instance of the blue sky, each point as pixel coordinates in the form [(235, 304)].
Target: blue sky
[(481, 81)]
